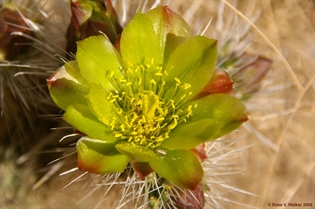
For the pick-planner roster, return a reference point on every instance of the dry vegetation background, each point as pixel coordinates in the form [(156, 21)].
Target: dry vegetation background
[(277, 152)]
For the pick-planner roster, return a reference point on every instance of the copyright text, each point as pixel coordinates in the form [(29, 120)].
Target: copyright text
[(290, 204)]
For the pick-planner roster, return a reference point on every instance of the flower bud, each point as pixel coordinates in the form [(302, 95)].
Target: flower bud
[(12, 45), (89, 18)]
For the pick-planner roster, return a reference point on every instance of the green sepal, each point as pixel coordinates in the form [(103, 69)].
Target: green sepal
[(139, 44), (188, 136), (81, 118), (100, 156), (100, 105), (98, 60), (67, 86), (192, 62), (136, 152), (180, 167)]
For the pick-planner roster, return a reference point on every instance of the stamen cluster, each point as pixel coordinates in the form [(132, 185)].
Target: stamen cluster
[(145, 112)]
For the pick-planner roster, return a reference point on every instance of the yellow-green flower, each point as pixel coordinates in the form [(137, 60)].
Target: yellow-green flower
[(150, 99)]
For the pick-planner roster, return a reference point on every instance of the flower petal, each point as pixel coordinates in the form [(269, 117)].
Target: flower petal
[(166, 21), (98, 60), (223, 108), (180, 167), (100, 156), (190, 135), (139, 43), (67, 86), (214, 116), (136, 152), (170, 27), (192, 62), (100, 106), (81, 118)]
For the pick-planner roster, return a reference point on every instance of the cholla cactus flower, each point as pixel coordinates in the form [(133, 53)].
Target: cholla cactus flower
[(149, 100)]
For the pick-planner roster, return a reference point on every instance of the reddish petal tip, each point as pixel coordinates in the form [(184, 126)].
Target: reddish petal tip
[(220, 83), (142, 169), (200, 152), (51, 80)]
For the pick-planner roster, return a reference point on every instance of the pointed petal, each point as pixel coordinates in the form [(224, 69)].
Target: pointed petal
[(166, 21), (100, 156), (100, 106), (139, 43), (81, 118), (67, 86), (170, 27), (98, 60), (142, 169), (180, 167), (192, 62), (136, 152)]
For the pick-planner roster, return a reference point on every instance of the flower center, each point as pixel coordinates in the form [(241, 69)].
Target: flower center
[(147, 112)]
